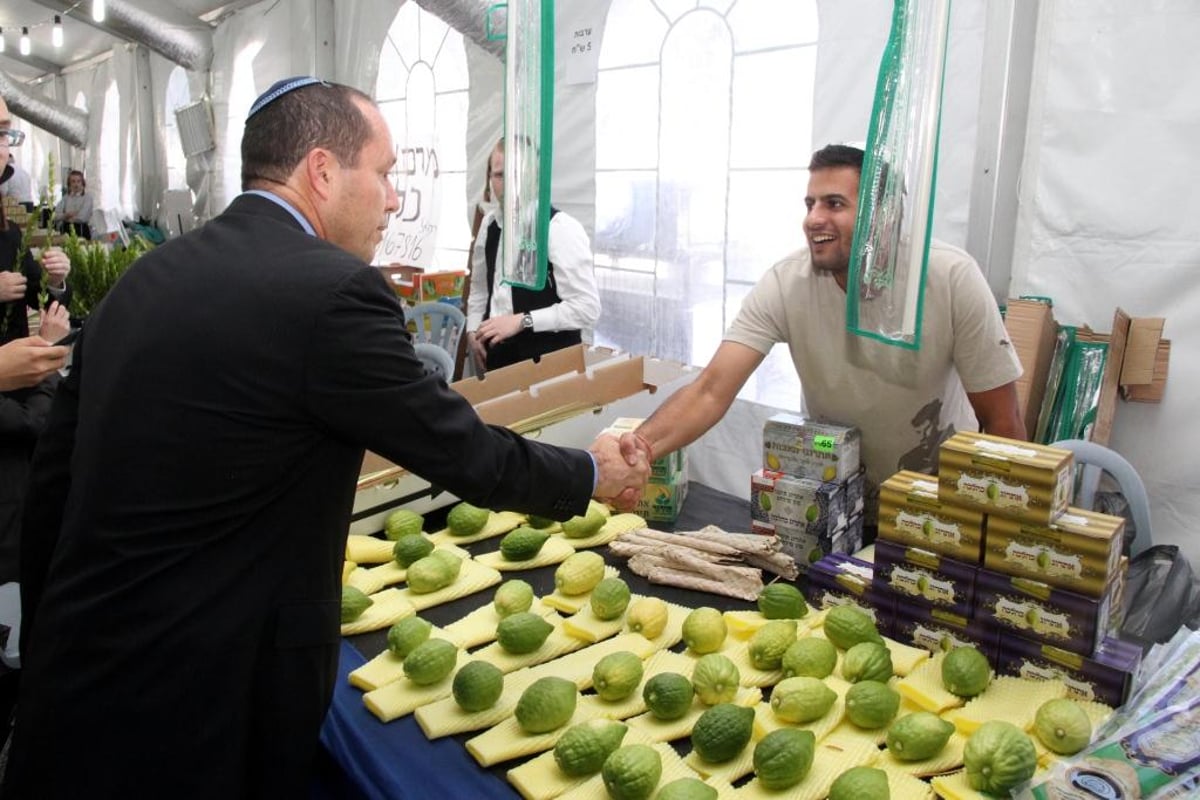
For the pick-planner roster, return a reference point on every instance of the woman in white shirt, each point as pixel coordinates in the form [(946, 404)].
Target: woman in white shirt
[(74, 211)]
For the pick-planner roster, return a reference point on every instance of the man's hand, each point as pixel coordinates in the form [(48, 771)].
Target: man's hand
[(478, 353), (57, 266), (12, 286), (495, 330), (56, 322), (26, 362), (621, 478)]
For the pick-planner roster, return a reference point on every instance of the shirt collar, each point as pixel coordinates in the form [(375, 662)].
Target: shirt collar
[(284, 204)]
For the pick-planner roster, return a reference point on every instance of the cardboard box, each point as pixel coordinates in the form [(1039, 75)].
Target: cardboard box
[(838, 579), (662, 502), (414, 285), (855, 491), (1043, 613), (1031, 329), (1106, 676), (807, 448), (798, 504), (807, 548), (939, 630), (568, 409), (1002, 476), (925, 578), (911, 513), (1080, 551)]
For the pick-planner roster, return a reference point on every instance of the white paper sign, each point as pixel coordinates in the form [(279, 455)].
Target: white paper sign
[(582, 25), (411, 237)]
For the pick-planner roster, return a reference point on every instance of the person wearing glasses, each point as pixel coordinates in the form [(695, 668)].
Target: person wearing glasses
[(20, 186), (507, 324)]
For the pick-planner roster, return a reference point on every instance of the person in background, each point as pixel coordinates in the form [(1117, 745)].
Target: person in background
[(963, 377), (74, 210), (19, 185), (186, 522), (507, 324)]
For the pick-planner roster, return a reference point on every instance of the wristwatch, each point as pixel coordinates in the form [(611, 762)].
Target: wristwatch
[(527, 322)]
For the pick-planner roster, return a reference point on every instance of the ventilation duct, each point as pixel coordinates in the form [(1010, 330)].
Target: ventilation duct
[(66, 122), (173, 34), (469, 17)]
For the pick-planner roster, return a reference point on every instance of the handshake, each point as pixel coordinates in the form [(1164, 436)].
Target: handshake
[(622, 468)]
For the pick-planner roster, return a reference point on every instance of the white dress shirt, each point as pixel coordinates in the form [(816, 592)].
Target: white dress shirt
[(574, 276)]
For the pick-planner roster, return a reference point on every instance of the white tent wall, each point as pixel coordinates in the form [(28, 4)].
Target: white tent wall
[(1108, 212)]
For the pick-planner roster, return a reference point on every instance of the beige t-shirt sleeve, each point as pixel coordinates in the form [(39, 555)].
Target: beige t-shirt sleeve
[(762, 321)]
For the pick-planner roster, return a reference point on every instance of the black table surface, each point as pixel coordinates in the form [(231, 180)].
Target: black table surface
[(703, 506)]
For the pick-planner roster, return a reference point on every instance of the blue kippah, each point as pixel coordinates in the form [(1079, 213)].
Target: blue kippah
[(279, 89)]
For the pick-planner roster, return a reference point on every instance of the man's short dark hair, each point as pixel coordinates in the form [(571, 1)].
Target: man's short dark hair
[(836, 155), (278, 137)]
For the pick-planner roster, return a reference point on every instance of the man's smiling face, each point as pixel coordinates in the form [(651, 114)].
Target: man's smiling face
[(832, 203)]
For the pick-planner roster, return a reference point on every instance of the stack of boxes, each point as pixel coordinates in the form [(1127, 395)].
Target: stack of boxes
[(989, 554), (665, 492), (809, 492)]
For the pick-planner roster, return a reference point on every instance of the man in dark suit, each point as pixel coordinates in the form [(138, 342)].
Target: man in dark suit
[(192, 495)]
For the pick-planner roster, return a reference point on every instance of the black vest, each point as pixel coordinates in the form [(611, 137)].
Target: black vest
[(526, 344)]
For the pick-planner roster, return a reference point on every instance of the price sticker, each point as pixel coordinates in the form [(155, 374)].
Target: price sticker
[(824, 444)]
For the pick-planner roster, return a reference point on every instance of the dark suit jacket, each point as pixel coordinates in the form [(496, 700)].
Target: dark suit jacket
[(204, 453)]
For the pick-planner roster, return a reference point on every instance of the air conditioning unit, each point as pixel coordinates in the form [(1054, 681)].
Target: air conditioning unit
[(195, 124)]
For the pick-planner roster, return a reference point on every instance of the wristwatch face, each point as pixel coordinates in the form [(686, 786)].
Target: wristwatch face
[(527, 322)]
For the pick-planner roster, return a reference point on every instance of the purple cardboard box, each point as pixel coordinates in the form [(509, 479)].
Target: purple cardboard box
[(925, 578), (1107, 676), (938, 630), (1043, 613), (840, 580)]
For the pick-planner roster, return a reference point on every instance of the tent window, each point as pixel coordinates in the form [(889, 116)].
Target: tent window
[(703, 131), (422, 93), (178, 95)]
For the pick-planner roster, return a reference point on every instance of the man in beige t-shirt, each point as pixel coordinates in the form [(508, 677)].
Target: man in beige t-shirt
[(905, 402)]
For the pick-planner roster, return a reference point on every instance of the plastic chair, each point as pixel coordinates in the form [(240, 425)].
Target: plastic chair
[(10, 616), (438, 323), (436, 360), (1093, 459)]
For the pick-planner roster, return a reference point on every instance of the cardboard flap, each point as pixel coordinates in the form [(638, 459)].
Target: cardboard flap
[(518, 377), (1141, 351)]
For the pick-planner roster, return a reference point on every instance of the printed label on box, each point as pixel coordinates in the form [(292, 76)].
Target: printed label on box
[(1026, 615), (926, 526), (985, 489), (919, 583), (1045, 560)]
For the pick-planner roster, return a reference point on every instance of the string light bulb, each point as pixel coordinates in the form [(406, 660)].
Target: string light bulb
[(98, 10), (56, 35), (25, 46)]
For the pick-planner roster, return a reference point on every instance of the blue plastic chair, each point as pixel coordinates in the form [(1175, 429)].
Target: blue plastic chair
[(437, 323), (1091, 460), (436, 360)]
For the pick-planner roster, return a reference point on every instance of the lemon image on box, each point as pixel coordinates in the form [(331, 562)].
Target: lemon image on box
[(993, 491), (773, 461), (812, 513), (764, 501), (927, 528), (668, 695), (1043, 559)]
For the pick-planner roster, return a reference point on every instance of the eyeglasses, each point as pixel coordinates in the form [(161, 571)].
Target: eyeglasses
[(12, 138)]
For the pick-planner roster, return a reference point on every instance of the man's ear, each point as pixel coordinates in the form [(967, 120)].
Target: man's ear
[(319, 166)]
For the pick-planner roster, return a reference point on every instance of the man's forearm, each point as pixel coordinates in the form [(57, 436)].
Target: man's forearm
[(682, 419)]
